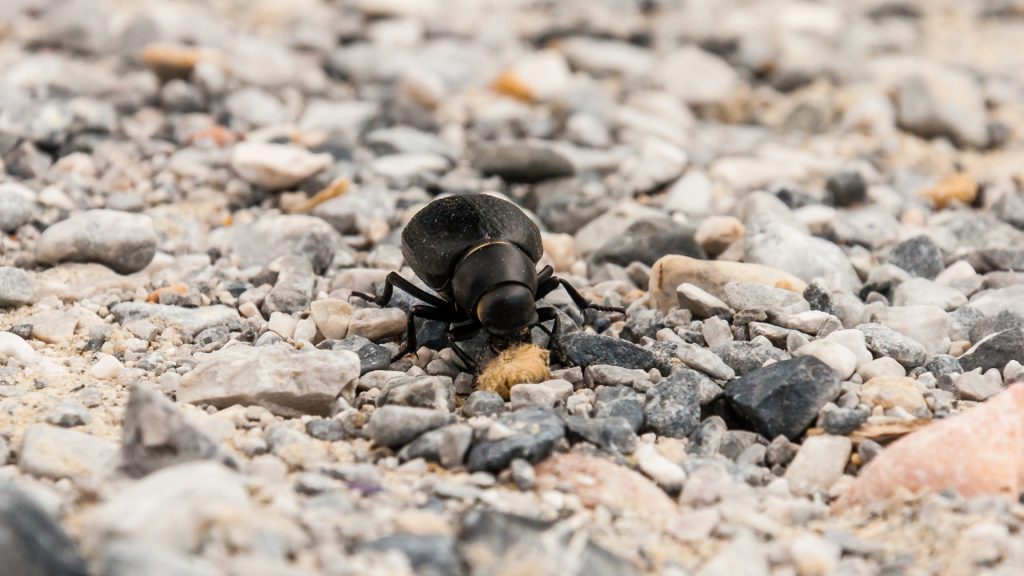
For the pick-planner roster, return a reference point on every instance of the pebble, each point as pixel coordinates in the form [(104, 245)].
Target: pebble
[(785, 397), (663, 471), (521, 162), (612, 433), (819, 463), (192, 321), (894, 393), (483, 403), (17, 206), (701, 303), (371, 356), (928, 325), (619, 401), (69, 414), (995, 351), (672, 407), (395, 426), (937, 100), (586, 349), (976, 386), (16, 287), (834, 355), (711, 276), (53, 452), (919, 256), (285, 382), (276, 166), (533, 433), (261, 242), (377, 324), (883, 341), (121, 241), (883, 368)]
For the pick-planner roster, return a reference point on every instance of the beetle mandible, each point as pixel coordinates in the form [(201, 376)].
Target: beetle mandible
[(480, 254)]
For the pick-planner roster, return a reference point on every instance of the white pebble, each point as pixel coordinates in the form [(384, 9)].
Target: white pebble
[(106, 368)]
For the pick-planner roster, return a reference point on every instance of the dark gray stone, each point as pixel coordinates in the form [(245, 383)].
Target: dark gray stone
[(846, 188), (536, 430), (995, 351), (371, 356), (396, 426), (819, 299), (943, 365), (619, 401), (843, 421), (521, 162), (648, 240), (327, 429), (586, 349), (293, 290), (435, 392), (673, 406), (612, 433), (784, 398), (707, 439), (919, 256), (990, 325), (31, 542)]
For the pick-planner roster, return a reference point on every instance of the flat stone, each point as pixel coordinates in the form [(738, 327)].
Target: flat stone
[(611, 433), (53, 452), (785, 397), (121, 241), (53, 326), (893, 393), (283, 381), (996, 351), (979, 387), (521, 162), (396, 426), (192, 321), (586, 349), (16, 287), (928, 325), (835, 355), (534, 433), (819, 464), (276, 166)]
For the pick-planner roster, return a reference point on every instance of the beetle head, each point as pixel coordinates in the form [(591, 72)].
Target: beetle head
[(507, 311)]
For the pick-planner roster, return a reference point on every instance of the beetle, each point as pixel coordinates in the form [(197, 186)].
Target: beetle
[(479, 253)]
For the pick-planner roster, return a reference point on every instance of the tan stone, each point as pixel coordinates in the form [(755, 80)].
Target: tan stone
[(980, 452), (955, 188), (892, 393), (712, 276)]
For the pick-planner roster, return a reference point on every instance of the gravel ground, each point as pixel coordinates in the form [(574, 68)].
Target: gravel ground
[(812, 212)]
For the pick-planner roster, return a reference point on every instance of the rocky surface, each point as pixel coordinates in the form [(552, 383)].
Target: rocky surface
[(812, 212)]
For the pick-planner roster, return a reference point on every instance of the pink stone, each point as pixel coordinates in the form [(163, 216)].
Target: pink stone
[(979, 452)]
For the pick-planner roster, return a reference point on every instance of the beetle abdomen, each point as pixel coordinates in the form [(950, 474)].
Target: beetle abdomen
[(442, 232)]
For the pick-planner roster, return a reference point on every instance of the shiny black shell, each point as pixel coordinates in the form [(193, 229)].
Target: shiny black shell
[(443, 231)]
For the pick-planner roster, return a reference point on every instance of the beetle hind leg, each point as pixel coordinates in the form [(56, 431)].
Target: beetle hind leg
[(396, 280)]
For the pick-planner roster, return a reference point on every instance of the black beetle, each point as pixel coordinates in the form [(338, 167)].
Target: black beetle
[(480, 254)]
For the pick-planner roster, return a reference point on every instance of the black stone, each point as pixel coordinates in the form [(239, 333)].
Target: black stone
[(843, 421), (612, 433), (819, 299), (521, 162), (990, 325), (31, 542), (536, 430), (428, 554), (943, 365), (371, 356), (846, 188), (785, 397), (619, 401), (648, 240), (483, 403), (673, 406), (919, 256), (492, 542), (586, 349), (745, 357), (996, 351)]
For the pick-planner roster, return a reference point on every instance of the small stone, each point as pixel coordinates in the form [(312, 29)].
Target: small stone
[(538, 76), (157, 435), (882, 368), (32, 543), (942, 101), (396, 426), (979, 387), (15, 287), (673, 406), (711, 276), (534, 432), (919, 256), (835, 355), (282, 324), (285, 382), (814, 555), (332, 317), (121, 241), (663, 471), (847, 188), (483, 403), (434, 392), (819, 463), (928, 325), (523, 474), (704, 360), (276, 166), (941, 365), (716, 233), (521, 162), (844, 421), (785, 397), (718, 83), (294, 287), (892, 393), (191, 321), (716, 332), (883, 341), (922, 292), (371, 356), (69, 414), (612, 433), (746, 357), (995, 351), (263, 241), (53, 326), (742, 555), (327, 429), (17, 206), (428, 554), (56, 453), (619, 401), (585, 349), (701, 303)]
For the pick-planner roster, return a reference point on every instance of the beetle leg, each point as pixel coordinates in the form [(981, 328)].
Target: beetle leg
[(394, 279), (545, 274), (551, 284), (458, 334), (427, 313), (554, 344)]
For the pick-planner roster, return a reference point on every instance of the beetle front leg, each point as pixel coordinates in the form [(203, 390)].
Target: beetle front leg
[(552, 283), (393, 280)]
